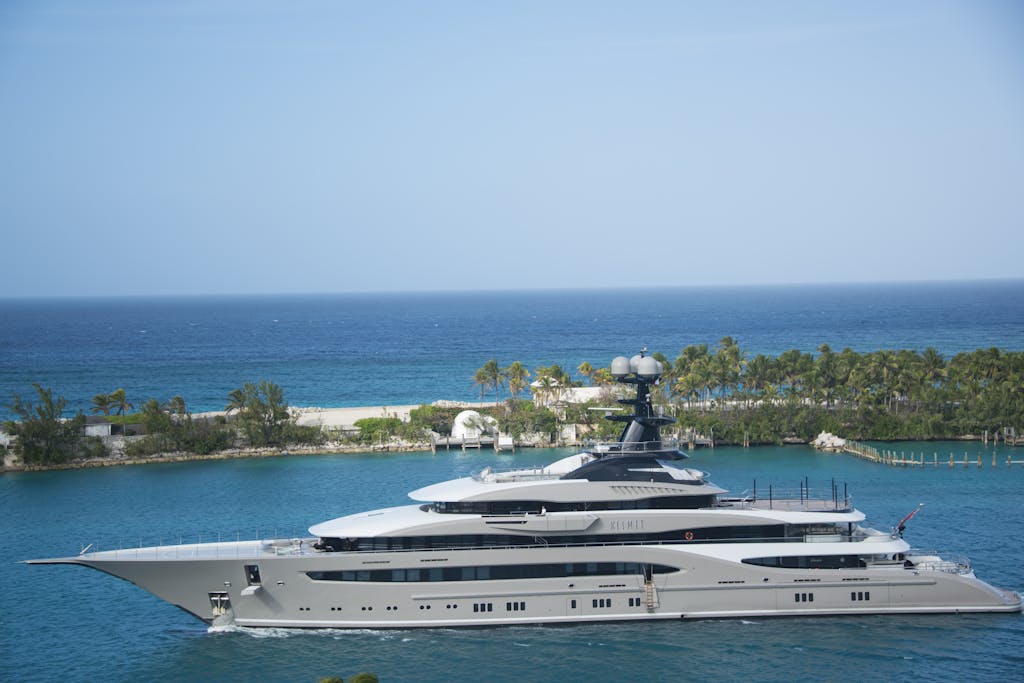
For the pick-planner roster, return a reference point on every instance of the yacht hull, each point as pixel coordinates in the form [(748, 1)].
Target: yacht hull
[(214, 583)]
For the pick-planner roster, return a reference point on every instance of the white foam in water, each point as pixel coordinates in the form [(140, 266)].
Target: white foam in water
[(251, 631), (277, 632)]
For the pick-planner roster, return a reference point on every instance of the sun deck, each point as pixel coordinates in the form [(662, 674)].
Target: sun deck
[(790, 504)]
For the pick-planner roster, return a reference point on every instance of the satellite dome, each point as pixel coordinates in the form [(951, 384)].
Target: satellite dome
[(634, 362), (620, 366), (648, 367)]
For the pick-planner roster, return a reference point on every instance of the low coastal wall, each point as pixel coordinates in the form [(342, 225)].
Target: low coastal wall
[(11, 465), (337, 420)]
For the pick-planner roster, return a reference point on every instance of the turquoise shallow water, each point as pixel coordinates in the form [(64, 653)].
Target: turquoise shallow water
[(69, 623)]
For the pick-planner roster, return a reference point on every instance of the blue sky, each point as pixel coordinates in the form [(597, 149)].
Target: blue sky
[(253, 147)]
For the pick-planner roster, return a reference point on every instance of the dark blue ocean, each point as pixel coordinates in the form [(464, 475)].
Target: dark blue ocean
[(390, 349), (69, 623)]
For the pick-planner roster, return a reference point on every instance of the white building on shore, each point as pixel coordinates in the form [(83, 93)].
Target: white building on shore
[(547, 396)]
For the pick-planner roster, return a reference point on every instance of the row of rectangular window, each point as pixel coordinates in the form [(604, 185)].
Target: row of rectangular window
[(598, 603), (519, 507), (496, 572), (804, 597), (752, 533), (809, 561)]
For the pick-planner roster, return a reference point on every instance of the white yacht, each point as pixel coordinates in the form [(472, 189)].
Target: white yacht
[(621, 531)]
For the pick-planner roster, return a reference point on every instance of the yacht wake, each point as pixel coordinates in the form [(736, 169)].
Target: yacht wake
[(261, 632)]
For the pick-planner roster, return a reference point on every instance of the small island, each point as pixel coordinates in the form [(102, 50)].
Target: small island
[(722, 396)]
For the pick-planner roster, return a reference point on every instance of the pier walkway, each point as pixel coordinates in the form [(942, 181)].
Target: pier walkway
[(912, 459)]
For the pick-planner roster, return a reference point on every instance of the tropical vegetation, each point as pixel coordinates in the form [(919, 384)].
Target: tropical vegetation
[(362, 677), (885, 395), (44, 436), (727, 392)]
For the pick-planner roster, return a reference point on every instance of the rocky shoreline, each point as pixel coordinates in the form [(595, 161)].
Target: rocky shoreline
[(824, 442), (10, 465)]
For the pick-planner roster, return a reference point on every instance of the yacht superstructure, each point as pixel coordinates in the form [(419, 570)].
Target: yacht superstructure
[(621, 531)]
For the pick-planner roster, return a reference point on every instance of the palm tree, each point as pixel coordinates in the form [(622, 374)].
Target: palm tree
[(688, 358), (691, 371), (825, 373), (881, 370), (152, 413), (846, 366), (550, 381), (686, 388), (101, 403), (176, 406), (603, 377), (702, 376), (933, 365), (791, 367), (757, 377), (120, 402), (545, 387), (727, 365), (517, 375), (490, 376), (262, 411), (236, 401), (563, 377), (586, 370), (908, 376)]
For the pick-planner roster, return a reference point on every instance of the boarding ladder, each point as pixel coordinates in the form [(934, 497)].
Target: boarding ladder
[(650, 595)]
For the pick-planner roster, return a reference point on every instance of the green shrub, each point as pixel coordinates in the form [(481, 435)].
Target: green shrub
[(44, 436), (376, 429), (363, 678), (433, 418)]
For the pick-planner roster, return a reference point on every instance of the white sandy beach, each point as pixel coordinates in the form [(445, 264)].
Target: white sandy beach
[(345, 418)]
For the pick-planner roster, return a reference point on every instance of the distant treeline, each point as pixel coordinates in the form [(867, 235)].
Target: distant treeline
[(257, 416), (884, 395)]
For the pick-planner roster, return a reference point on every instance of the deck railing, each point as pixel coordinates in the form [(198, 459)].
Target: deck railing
[(633, 447), (930, 560), (804, 500), (261, 548)]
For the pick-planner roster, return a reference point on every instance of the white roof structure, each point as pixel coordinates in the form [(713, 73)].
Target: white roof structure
[(559, 394), (472, 424)]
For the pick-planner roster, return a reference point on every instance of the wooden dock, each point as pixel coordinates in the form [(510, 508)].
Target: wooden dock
[(692, 439), (912, 459), (502, 442)]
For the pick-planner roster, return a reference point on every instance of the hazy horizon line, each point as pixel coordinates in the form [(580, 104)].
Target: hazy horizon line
[(514, 290)]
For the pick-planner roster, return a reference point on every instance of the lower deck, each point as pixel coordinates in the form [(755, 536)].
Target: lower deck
[(301, 588)]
